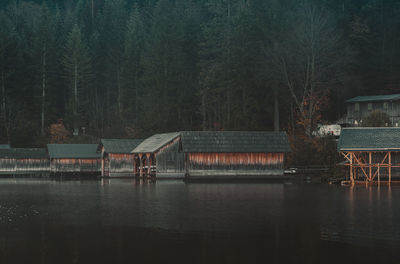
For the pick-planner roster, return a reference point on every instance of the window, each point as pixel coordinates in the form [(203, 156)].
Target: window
[(357, 107), (369, 106)]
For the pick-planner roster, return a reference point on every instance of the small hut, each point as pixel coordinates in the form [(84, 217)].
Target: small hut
[(74, 158), (24, 161), (116, 157), (159, 155), (371, 153), (31, 161), (233, 154)]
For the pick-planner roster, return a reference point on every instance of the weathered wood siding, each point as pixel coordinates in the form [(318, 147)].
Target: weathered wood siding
[(7, 165), (24, 166), (169, 161), (32, 165), (65, 165), (234, 164), (120, 164)]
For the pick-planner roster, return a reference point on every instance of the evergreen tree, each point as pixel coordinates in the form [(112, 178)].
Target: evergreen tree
[(77, 67)]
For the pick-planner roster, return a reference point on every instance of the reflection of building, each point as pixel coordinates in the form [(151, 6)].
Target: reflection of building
[(358, 108)]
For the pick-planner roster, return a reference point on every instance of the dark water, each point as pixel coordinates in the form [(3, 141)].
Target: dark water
[(121, 221)]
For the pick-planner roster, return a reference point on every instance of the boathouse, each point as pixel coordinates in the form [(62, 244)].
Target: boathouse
[(233, 154), (212, 154), (74, 158), (116, 157), (24, 161), (371, 153), (160, 156)]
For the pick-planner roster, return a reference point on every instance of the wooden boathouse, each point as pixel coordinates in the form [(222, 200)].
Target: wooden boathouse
[(233, 154), (212, 154), (159, 156), (28, 161), (116, 157), (371, 153), (74, 159)]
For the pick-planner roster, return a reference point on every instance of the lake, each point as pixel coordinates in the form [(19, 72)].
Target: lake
[(125, 221)]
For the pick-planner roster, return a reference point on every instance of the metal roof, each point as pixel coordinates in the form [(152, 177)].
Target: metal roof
[(374, 98), (23, 153), (369, 139), (73, 151), (155, 142), (123, 146), (6, 153), (234, 141), (30, 153)]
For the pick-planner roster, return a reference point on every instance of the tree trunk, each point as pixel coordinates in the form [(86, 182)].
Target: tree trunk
[(3, 91), (75, 106), (203, 112), (136, 97), (119, 95), (43, 90), (276, 110)]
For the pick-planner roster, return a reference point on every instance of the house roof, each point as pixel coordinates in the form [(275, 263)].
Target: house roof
[(73, 151), (123, 146), (369, 139), (155, 142), (234, 141), (374, 98), (23, 153)]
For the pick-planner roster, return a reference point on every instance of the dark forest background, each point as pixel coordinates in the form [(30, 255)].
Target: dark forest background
[(119, 68)]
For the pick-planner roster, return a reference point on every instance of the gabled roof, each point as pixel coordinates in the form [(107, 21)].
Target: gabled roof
[(369, 139), (73, 151), (6, 153), (374, 98), (30, 153), (155, 142), (123, 146), (24, 153), (234, 141)]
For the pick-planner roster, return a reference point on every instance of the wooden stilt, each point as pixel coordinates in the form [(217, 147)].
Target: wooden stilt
[(351, 168), (370, 166), (140, 165), (379, 174), (390, 167)]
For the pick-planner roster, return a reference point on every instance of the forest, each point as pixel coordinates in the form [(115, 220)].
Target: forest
[(121, 68)]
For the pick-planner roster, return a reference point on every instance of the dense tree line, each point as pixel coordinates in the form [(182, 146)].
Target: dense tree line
[(123, 68)]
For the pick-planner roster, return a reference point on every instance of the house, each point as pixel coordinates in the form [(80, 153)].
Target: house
[(213, 154), (233, 154), (371, 153), (116, 157), (159, 155), (358, 108), (74, 158)]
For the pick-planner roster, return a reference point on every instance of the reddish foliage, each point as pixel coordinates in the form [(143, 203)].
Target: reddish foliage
[(58, 132)]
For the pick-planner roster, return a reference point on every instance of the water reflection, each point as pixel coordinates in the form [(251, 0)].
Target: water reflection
[(123, 221), (361, 215)]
